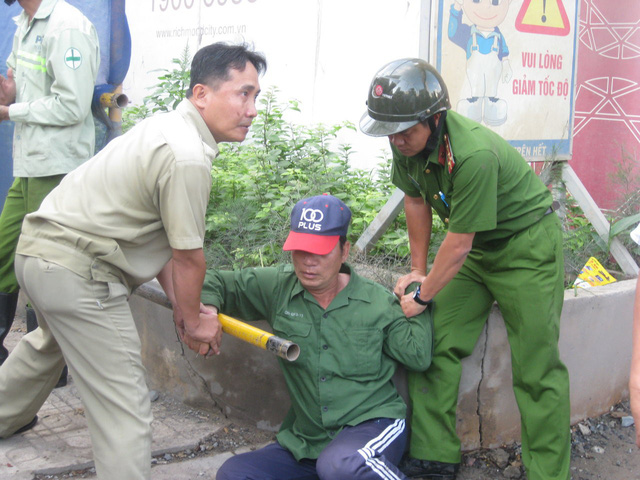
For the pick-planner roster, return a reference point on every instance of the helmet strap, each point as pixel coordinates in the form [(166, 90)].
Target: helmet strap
[(436, 130), (431, 121)]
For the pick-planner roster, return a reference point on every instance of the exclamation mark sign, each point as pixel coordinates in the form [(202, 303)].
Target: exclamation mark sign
[(544, 10)]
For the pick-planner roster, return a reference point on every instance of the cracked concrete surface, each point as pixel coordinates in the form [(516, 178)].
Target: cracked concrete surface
[(484, 338)]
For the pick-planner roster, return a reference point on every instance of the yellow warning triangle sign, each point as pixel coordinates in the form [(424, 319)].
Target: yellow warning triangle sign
[(546, 17)]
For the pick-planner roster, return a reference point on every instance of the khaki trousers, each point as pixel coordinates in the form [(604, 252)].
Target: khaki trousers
[(90, 324)]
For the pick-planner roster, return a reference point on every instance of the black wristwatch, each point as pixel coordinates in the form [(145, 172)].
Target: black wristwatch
[(417, 299)]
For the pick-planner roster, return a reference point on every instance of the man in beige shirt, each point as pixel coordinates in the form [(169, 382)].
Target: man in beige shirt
[(133, 212)]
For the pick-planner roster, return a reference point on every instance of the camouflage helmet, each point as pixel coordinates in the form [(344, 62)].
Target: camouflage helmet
[(403, 93)]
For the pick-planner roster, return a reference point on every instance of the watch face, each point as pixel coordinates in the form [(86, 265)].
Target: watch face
[(416, 297)]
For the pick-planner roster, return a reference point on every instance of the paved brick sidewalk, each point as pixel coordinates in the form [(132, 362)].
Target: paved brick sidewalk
[(60, 442)]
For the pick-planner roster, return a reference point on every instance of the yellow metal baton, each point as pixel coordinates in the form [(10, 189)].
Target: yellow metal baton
[(268, 341), (255, 336)]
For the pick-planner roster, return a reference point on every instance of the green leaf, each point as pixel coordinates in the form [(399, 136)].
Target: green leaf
[(623, 225)]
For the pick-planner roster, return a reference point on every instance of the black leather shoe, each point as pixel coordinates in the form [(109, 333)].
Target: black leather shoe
[(28, 426), (62, 382), (428, 469)]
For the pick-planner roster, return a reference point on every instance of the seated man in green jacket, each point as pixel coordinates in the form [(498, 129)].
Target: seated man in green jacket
[(346, 418)]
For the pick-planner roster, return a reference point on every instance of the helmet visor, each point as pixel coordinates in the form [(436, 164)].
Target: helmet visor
[(378, 128)]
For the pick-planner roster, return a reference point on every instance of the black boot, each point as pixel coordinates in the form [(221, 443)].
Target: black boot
[(28, 426), (8, 302), (428, 469), (32, 324)]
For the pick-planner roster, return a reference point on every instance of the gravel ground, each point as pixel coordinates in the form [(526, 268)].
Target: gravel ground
[(601, 448)]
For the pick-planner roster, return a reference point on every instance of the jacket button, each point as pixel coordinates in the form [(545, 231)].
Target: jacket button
[(427, 170), (446, 220), (435, 197)]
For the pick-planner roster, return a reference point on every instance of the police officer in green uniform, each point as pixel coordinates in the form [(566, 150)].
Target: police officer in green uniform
[(503, 244)]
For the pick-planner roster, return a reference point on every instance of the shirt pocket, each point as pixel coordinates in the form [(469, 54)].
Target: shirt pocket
[(360, 353), (296, 330)]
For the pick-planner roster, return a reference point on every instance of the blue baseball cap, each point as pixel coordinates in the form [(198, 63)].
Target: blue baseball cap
[(317, 224)]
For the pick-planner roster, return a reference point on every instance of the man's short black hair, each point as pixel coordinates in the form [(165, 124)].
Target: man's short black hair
[(9, 2), (212, 64)]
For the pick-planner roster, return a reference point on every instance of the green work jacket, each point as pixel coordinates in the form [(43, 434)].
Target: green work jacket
[(488, 189), (55, 60), (348, 352)]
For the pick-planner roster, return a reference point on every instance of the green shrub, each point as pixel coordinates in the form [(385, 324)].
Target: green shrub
[(256, 183)]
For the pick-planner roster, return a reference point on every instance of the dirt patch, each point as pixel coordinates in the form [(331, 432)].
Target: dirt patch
[(231, 437), (601, 448)]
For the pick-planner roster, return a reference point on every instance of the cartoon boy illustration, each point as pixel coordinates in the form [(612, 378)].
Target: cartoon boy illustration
[(487, 57)]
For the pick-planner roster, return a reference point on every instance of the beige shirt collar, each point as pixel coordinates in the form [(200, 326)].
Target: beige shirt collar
[(192, 115)]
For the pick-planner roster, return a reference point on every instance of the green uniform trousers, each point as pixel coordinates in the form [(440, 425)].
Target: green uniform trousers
[(24, 196), (90, 323), (525, 276)]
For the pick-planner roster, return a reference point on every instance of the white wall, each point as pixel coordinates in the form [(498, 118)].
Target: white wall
[(323, 53)]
